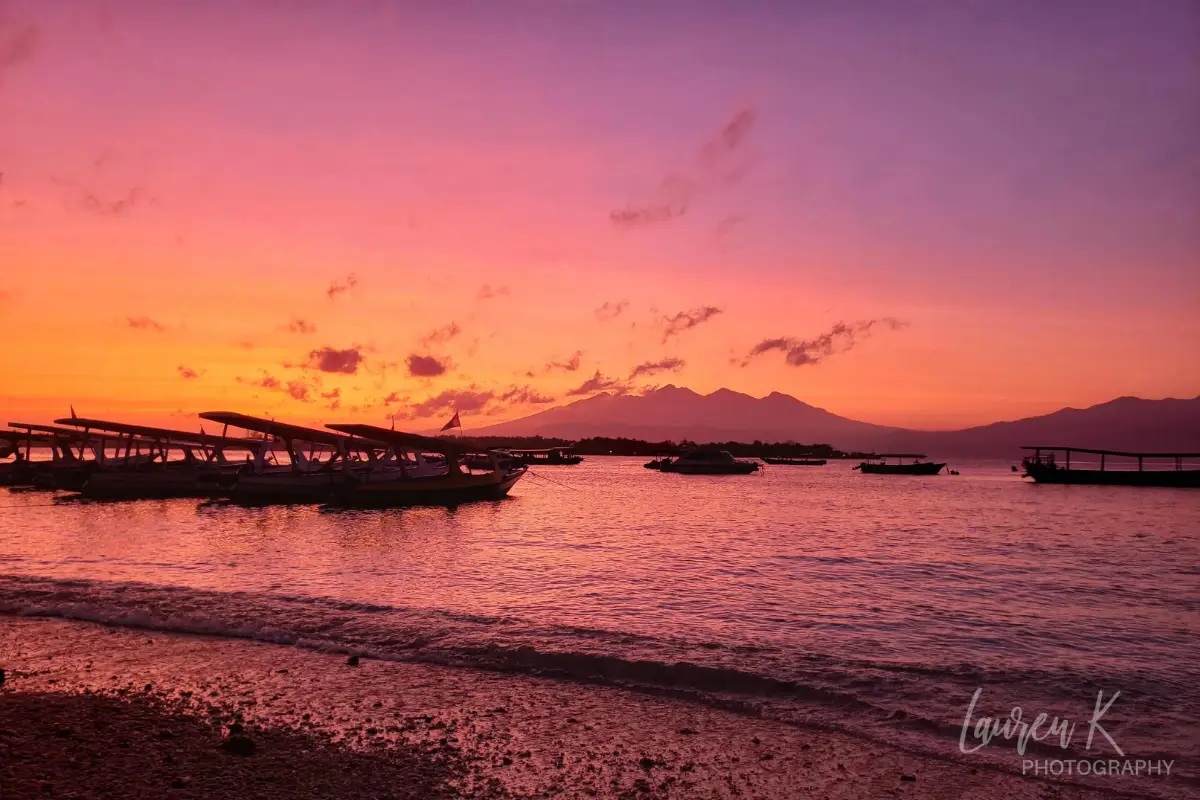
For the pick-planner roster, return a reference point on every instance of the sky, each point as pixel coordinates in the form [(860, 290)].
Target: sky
[(928, 214)]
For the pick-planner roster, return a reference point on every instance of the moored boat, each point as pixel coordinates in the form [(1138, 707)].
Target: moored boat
[(548, 456), (704, 461), (401, 486), (878, 465), (1180, 470), (174, 463), (794, 462)]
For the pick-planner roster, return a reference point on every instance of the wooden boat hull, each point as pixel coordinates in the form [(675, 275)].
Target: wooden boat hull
[(1171, 478), (795, 462), (156, 483), (920, 468), (283, 488), (441, 490)]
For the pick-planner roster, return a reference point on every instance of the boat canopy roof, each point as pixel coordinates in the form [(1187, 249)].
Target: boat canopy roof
[(158, 434), (897, 455), (1106, 452), (447, 447), (282, 430), (27, 428), (521, 451)]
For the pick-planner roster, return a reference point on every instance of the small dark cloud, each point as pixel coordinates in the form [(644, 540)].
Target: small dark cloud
[(145, 324), (686, 320), (599, 383), (187, 373), (341, 285), (671, 364), (524, 395), (19, 43), (426, 366), (299, 325), (394, 398), (570, 365), (460, 400), (716, 163), (486, 292), (838, 339), (611, 310), (334, 395), (112, 208), (246, 344), (727, 225), (300, 389), (441, 335), (329, 359), (267, 381)]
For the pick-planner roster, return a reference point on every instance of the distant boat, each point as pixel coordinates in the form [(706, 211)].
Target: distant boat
[(1044, 467), (878, 465), (549, 456), (794, 462), (709, 462)]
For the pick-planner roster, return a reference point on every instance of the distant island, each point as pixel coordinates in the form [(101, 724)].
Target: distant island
[(674, 414)]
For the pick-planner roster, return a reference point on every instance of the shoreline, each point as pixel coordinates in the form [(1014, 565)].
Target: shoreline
[(497, 735)]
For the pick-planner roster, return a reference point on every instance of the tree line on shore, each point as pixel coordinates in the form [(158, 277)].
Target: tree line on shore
[(607, 446)]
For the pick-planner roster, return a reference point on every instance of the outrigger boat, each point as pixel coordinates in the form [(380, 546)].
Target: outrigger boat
[(128, 473), (793, 462), (69, 465), (1043, 467), (401, 485), (878, 465), (317, 462), (708, 462)]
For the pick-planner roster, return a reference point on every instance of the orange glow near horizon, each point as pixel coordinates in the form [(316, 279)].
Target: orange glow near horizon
[(186, 193)]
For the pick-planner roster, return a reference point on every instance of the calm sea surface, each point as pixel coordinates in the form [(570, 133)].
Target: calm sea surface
[(874, 604)]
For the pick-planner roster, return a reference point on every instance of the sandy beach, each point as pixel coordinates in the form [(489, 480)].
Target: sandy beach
[(93, 711)]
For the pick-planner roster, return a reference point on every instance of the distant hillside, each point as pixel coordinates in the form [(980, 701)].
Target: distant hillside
[(676, 413), (1127, 423)]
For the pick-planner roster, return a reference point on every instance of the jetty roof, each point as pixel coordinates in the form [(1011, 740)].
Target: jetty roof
[(1110, 452)]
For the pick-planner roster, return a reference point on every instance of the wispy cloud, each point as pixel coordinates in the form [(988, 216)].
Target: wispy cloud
[(300, 389), (145, 324), (187, 373), (19, 43), (487, 292), (715, 164), (686, 320), (654, 367), (570, 365), (302, 326), (441, 335), (599, 383), (461, 400), (329, 359), (426, 366), (727, 225), (525, 395), (112, 208), (341, 285), (611, 310), (838, 339)]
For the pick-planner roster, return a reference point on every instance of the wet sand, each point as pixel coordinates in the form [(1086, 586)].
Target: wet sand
[(325, 728)]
